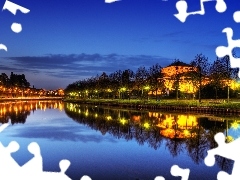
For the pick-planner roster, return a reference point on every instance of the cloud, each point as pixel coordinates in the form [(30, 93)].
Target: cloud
[(72, 65), (53, 71), (62, 133)]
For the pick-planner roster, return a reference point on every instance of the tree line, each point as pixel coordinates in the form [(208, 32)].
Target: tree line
[(137, 84), (201, 136), (15, 80)]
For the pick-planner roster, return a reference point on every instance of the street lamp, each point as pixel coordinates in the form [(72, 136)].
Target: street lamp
[(123, 89), (147, 89), (108, 92)]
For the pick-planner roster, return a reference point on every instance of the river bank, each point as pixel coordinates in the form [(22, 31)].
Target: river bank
[(206, 106), (30, 98)]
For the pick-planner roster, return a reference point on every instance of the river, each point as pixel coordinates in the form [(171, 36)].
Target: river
[(106, 143)]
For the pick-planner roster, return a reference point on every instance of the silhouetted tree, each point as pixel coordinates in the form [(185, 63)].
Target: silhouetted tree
[(141, 77), (202, 65), (155, 78)]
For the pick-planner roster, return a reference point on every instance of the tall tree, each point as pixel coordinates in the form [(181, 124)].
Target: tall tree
[(217, 75), (127, 80), (116, 81), (155, 78), (104, 83), (4, 80), (175, 78), (18, 80), (201, 63), (225, 73), (141, 78)]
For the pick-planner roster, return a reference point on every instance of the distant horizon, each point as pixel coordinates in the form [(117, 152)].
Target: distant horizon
[(134, 70), (63, 42)]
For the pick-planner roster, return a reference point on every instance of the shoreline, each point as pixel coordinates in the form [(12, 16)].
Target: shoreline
[(30, 98), (207, 106)]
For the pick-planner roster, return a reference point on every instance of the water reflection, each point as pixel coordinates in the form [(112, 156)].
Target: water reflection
[(17, 112), (180, 133), (172, 138)]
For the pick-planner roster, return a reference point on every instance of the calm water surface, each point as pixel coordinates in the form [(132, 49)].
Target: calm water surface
[(116, 143)]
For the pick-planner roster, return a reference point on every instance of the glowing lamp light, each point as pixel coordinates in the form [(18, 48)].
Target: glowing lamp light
[(123, 121), (123, 89), (186, 133), (147, 87), (234, 125), (146, 125), (109, 118)]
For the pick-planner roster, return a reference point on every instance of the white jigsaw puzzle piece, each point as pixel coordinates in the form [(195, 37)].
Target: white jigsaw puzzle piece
[(3, 126), (63, 164), (111, 1), (3, 47), (222, 51), (85, 178), (34, 165), (177, 171), (33, 169), (12, 7), (159, 178), (228, 150), (7, 163), (236, 16), (182, 7), (15, 27)]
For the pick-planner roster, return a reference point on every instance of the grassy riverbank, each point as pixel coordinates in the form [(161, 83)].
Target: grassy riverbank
[(233, 104)]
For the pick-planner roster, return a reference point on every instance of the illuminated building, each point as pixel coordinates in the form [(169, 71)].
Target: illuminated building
[(177, 73), (186, 77)]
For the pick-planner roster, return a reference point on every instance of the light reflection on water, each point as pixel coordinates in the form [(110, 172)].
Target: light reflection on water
[(107, 143)]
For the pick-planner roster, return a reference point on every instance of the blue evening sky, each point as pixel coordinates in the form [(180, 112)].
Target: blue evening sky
[(64, 41)]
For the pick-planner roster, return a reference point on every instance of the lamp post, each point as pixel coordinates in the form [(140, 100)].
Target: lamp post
[(200, 83), (229, 81), (97, 94), (228, 74), (123, 89), (147, 89)]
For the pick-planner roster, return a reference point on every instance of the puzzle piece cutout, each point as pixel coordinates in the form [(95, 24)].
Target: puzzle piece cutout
[(111, 1), (176, 171), (182, 7), (35, 162), (5, 154), (13, 8), (222, 51), (228, 150), (236, 16), (33, 169), (3, 126), (7, 163)]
